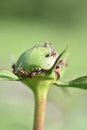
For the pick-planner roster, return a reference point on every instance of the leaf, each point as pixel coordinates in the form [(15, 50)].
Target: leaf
[(7, 75), (80, 82)]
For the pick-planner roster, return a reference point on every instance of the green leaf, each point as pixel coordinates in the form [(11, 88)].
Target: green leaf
[(7, 75), (80, 82)]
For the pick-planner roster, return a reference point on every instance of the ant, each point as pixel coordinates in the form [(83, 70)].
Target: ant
[(52, 53), (46, 44), (22, 73), (62, 63), (19, 70)]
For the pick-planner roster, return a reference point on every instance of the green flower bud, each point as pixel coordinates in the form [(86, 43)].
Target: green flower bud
[(34, 65), (37, 57)]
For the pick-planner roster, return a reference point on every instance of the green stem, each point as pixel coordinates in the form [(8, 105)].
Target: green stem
[(40, 96), (62, 84)]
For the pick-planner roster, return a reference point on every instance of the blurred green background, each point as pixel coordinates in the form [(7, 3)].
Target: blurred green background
[(24, 23)]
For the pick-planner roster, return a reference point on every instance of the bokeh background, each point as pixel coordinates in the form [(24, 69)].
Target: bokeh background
[(24, 23)]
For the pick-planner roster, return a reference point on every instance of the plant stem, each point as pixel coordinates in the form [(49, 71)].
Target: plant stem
[(40, 96)]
